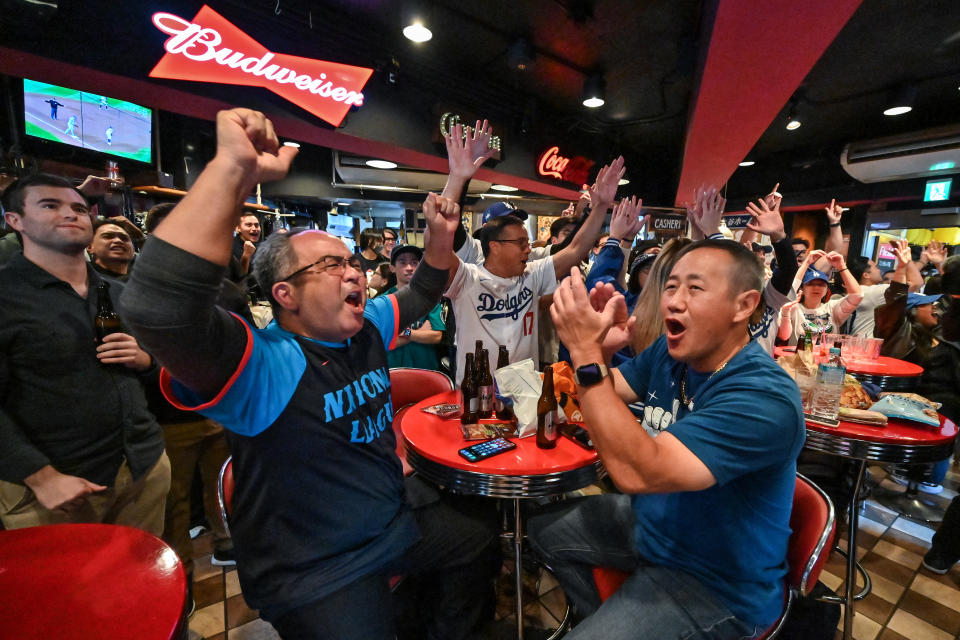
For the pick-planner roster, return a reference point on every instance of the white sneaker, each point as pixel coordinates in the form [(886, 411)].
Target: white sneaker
[(929, 487)]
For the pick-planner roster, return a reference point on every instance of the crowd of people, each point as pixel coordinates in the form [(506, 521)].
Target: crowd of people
[(696, 424)]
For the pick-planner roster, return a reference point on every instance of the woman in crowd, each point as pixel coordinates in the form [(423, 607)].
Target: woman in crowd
[(813, 310), (371, 242)]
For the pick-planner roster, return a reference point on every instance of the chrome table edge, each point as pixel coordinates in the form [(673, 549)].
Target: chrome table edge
[(850, 447)]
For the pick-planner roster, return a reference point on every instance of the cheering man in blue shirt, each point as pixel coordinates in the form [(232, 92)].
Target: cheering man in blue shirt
[(708, 477)]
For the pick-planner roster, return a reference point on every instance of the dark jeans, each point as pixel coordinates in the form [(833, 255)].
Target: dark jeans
[(448, 580), (946, 541), (654, 602)]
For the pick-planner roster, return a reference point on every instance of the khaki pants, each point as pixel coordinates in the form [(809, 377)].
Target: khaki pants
[(191, 444), (137, 504)]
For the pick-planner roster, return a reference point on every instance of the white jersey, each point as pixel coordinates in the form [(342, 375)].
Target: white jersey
[(500, 311), (472, 252), (765, 332), (829, 315), (862, 316)]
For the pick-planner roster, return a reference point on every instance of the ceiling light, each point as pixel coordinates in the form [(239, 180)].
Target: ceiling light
[(503, 187), (381, 164), (901, 100), (290, 143), (793, 118), (940, 166), (622, 182), (343, 204), (747, 163), (521, 53), (594, 90), (793, 124), (416, 32)]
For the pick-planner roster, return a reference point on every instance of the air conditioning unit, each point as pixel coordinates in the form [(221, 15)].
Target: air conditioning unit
[(354, 172), (930, 152)]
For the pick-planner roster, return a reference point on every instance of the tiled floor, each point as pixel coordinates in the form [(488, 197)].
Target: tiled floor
[(907, 601)]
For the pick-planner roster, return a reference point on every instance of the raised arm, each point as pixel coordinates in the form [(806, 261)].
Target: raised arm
[(767, 220), (465, 154), (170, 302), (854, 295), (772, 202), (707, 213), (835, 238), (602, 193)]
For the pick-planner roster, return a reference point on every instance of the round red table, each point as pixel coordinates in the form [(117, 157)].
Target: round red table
[(89, 581), (890, 374), (432, 444), (899, 441)]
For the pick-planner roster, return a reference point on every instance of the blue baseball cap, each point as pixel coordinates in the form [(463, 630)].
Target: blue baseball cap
[(917, 299), (498, 209), (813, 274)]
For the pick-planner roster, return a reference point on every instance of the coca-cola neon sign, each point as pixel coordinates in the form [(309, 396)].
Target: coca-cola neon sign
[(211, 49), (554, 165)]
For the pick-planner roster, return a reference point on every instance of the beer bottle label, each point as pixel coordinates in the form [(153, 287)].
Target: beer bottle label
[(485, 398), (473, 405), (550, 425)]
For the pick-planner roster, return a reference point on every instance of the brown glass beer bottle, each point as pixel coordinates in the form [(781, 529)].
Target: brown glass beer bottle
[(484, 387), (469, 392), (106, 321), (547, 413), (503, 357)]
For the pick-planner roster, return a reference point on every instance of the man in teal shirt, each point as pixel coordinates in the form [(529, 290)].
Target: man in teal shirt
[(416, 345)]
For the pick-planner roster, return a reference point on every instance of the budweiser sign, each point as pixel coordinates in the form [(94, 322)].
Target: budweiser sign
[(211, 49), (554, 165)]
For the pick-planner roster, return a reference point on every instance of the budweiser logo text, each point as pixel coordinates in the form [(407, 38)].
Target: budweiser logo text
[(211, 49)]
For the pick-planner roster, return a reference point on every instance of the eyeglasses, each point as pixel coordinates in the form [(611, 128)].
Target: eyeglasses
[(802, 253), (522, 243), (334, 265)]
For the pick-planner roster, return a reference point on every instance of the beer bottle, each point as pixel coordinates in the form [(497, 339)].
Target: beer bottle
[(484, 387), (547, 412), (469, 391), (503, 358), (107, 321), (476, 356), (801, 344)]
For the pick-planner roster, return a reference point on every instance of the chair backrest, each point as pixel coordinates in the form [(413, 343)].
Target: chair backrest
[(409, 385), (225, 492), (813, 521)]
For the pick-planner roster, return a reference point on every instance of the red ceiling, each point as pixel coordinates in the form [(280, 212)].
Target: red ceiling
[(760, 52)]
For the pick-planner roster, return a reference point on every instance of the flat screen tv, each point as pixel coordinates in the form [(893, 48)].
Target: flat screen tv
[(87, 120)]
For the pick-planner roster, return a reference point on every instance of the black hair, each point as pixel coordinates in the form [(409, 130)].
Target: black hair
[(557, 225), (746, 273), (643, 245), (491, 231), (15, 195), (99, 222), (858, 266), (156, 214), (369, 238), (396, 236), (803, 241), (933, 286)]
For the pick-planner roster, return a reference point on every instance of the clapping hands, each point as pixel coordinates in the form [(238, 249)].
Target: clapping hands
[(625, 222)]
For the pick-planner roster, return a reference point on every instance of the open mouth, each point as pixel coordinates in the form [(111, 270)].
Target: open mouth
[(674, 328), (355, 300)]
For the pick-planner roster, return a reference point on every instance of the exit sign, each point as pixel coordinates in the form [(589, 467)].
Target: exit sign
[(937, 190)]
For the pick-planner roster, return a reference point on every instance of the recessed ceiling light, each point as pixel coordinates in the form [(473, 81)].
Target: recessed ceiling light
[(593, 103), (381, 164), (747, 163), (290, 143), (343, 204), (897, 111), (623, 181), (594, 89), (940, 166), (503, 187), (901, 100), (793, 124), (417, 32)]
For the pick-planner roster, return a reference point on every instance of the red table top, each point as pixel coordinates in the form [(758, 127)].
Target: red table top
[(895, 432), (439, 439), (883, 366), (91, 581)]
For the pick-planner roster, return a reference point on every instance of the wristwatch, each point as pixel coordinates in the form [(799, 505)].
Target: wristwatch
[(590, 374), (407, 332)]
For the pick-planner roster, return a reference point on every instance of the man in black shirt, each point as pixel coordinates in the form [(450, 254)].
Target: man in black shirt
[(78, 442), (111, 250)]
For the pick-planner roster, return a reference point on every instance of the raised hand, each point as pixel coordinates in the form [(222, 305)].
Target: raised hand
[(902, 250), (812, 257), (774, 198), (836, 260), (625, 222), (766, 219), (619, 334), (711, 206), (466, 154), (936, 253), (582, 202), (787, 307), (834, 211), (246, 139), (442, 215), (604, 189)]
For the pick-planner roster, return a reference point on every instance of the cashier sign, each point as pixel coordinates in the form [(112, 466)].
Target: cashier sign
[(211, 49)]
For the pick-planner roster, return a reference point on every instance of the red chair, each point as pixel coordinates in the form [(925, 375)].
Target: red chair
[(409, 386), (813, 522), (90, 581)]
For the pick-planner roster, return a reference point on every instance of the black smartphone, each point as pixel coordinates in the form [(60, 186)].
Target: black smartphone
[(579, 435), (483, 450)]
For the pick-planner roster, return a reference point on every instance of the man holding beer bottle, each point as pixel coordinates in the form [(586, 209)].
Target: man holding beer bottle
[(79, 444)]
